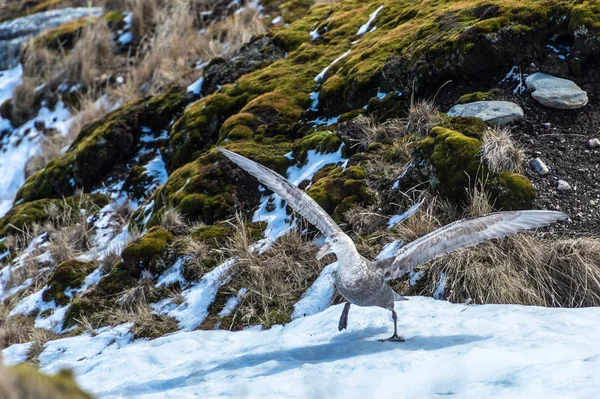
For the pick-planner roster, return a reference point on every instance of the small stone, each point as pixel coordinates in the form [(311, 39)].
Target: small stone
[(555, 92), (563, 186), (548, 125), (500, 112), (593, 202), (594, 143), (540, 167)]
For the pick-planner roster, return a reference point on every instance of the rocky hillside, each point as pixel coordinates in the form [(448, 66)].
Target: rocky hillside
[(397, 117)]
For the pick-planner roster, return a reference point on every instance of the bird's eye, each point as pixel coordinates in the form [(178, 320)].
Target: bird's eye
[(335, 240)]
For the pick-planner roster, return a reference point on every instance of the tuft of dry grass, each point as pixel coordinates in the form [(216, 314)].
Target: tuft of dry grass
[(225, 38), (500, 152), (23, 101), (172, 221), (274, 280), (91, 56), (143, 17), (521, 269), (423, 114)]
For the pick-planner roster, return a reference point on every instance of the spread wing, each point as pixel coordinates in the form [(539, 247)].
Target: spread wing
[(296, 198), (462, 234)]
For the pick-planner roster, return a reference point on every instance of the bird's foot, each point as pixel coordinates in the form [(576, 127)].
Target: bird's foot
[(343, 324), (393, 338)]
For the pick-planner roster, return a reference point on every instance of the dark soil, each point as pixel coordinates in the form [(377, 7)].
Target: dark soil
[(560, 138)]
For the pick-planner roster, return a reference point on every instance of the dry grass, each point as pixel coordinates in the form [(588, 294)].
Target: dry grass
[(172, 221), (91, 56), (274, 280), (500, 152), (20, 329), (225, 38), (522, 269), (423, 114), (143, 17), (23, 101)]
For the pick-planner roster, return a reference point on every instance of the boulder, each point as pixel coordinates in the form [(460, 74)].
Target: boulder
[(555, 92), (500, 112)]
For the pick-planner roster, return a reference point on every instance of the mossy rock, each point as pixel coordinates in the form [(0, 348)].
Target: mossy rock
[(467, 125), (24, 215), (62, 37), (144, 253), (101, 146), (69, 274), (321, 142), (336, 190), (472, 97), (451, 162), (512, 191), (25, 381)]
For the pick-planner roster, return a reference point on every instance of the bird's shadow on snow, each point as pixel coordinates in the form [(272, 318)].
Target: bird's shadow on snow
[(346, 345), (342, 346)]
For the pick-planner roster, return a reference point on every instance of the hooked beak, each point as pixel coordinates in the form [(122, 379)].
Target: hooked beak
[(325, 249)]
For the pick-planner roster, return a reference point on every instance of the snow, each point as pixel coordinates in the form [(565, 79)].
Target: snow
[(196, 87), (277, 219), (396, 219), (192, 312), (157, 170), (318, 297), (232, 303), (127, 37), (20, 144), (277, 20), (172, 275), (476, 351), (15, 354), (321, 75), (365, 28)]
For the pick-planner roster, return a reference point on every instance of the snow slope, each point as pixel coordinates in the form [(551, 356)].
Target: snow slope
[(500, 351)]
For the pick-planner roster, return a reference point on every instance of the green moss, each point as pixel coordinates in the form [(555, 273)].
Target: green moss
[(469, 126), (115, 19), (454, 160), (322, 142), (472, 97), (512, 192), (450, 161), (198, 127), (101, 146), (144, 253), (214, 236), (63, 36), (336, 190), (69, 274), (25, 381), (78, 308), (23, 215)]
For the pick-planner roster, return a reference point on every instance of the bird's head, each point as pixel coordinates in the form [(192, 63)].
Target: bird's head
[(336, 243)]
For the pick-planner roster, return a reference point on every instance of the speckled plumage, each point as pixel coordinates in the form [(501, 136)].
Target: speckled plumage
[(364, 283)]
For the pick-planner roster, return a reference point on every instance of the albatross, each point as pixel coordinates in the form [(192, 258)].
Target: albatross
[(363, 282)]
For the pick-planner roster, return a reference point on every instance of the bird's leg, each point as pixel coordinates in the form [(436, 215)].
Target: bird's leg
[(395, 337), (344, 317)]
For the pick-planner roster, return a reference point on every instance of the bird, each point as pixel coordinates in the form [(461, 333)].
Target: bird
[(365, 283)]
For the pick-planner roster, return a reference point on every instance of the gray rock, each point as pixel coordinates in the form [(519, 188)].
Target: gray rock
[(13, 34), (563, 186), (555, 92), (540, 167), (500, 112), (594, 143)]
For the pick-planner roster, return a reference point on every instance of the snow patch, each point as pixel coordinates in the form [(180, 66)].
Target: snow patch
[(365, 28)]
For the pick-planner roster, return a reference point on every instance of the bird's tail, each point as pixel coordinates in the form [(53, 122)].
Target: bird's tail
[(399, 297)]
